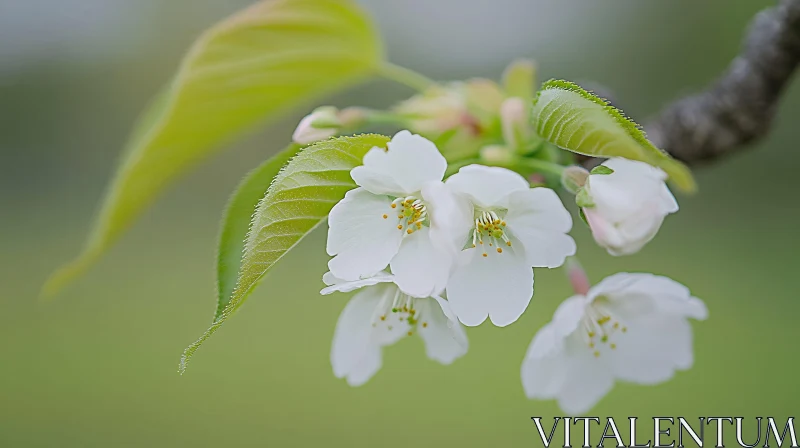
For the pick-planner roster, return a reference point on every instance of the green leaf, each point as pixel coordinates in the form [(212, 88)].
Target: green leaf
[(299, 200), (602, 170), (250, 67), (236, 222), (573, 119), (519, 78)]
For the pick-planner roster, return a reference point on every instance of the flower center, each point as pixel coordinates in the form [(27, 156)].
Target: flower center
[(490, 231), (398, 311), (411, 214), (602, 328)]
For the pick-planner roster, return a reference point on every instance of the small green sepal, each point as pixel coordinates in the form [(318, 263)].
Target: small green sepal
[(583, 199), (601, 169), (583, 216)]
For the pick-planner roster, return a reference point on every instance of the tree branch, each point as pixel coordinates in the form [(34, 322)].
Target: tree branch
[(739, 107)]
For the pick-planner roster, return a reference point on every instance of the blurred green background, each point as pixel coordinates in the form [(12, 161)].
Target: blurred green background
[(98, 366)]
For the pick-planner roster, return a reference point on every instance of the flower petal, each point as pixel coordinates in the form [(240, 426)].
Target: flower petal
[(638, 230), (445, 339), (336, 284), (667, 295), (606, 234), (420, 269), (538, 219), (375, 179), (543, 369), (451, 217), (499, 286), (613, 284), (585, 383), (652, 349), (668, 202), (306, 133), (569, 373), (632, 186), (487, 186), (352, 352), (568, 316), (359, 236), (366, 368), (408, 162), (634, 168)]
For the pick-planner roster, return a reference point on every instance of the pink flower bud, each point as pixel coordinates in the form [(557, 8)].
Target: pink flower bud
[(320, 124)]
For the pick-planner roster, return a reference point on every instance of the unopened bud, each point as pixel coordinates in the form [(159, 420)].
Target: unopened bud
[(514, 120), (574, 178), (320, 124), (519, 78), (437, 110), (484, 98), (497, 155), (352, 117)]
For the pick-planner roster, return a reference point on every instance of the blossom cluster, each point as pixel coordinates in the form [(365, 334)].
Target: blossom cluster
[(430, 252), (407, 239)]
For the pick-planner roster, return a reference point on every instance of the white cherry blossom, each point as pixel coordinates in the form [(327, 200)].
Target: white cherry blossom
[(625, 208), (629, 327), (386, 221), (381, 314), (505, 229)]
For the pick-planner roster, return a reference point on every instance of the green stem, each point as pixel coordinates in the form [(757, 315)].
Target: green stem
[(405, 76), (541, 165)]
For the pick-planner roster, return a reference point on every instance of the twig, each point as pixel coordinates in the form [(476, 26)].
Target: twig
[(740, 106)]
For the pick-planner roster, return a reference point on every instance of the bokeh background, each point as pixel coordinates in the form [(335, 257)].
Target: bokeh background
[(98, 366)]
